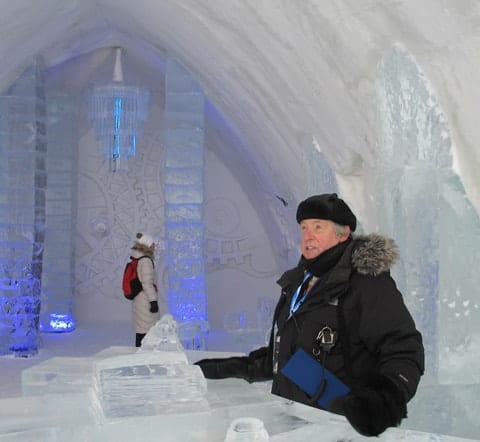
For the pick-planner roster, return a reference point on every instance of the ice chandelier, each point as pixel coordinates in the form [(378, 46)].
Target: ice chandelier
[(117, 111)]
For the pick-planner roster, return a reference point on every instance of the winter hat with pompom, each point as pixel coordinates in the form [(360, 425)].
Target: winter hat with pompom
[(144, 239)]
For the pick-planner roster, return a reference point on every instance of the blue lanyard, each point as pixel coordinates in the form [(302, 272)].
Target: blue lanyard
[(296, 303)]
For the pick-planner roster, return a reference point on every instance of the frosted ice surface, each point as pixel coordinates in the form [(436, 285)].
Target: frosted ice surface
[(126, 394), (321, 178), (422, 203), (58, 375), (163, 337), (76, 417), (155, 380), (183, 212), (183, 194), (27, 415), (148, 384)]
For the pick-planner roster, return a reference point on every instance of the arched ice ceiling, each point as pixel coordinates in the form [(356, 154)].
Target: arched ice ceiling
[(279, 71)]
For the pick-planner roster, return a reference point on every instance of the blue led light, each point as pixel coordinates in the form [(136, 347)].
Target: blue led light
[(59, 323), (117, 114), (117, 111)]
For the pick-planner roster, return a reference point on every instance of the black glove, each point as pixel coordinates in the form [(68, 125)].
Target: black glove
[(373, 408), (221, 368), (153, 306)]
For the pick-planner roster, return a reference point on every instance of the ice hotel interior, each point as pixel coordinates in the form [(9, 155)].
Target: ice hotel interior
[(225, 115)]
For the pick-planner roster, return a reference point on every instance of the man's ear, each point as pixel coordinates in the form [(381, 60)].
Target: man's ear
[(344, 236)]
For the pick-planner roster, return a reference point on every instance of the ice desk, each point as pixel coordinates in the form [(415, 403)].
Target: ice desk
[(60, 404)]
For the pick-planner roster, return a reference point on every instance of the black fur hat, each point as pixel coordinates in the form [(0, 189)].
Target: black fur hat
[(327, 206)]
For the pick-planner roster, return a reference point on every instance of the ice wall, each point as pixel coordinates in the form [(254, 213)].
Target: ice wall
[(321, 177), (421, 202), (414, 156)]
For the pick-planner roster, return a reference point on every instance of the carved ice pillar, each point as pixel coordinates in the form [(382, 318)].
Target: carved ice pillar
[(22, 211), (184, 195), (57, 276)]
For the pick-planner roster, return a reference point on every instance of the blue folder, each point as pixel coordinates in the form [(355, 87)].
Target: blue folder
[(306, 372)]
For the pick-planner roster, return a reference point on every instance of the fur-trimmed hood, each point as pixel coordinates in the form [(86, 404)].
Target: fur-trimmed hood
[(374, 254), (367, 254)]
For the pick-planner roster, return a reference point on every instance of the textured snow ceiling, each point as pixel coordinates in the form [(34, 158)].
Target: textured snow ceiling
[(280, 72)]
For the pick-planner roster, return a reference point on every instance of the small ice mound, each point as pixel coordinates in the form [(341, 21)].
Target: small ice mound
[(163, 336)]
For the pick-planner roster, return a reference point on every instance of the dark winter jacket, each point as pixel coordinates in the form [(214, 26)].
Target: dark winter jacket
[(358, 300), (376, 333)]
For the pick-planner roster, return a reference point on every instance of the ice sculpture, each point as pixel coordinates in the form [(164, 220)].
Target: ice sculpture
[(155, 380), (193, 334), (163, 337)]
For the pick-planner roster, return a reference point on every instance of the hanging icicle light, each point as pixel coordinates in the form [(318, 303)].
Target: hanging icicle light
[(117, 111)]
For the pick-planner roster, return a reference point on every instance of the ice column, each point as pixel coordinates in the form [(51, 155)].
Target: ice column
[(183, 175), (415, 159), (57, 277), (437, 230), (22, 214)]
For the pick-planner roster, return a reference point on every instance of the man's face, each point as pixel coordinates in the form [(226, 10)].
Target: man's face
[(318, 235)]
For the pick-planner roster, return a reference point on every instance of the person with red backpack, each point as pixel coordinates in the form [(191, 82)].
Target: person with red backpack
[(139, 286)]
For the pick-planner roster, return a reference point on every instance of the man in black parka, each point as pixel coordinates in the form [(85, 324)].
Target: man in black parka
[(341, 306)]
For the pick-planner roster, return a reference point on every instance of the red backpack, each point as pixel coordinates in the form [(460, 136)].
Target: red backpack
[(131, 284)]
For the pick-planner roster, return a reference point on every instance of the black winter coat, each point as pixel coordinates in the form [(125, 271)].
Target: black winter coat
[(359, 301)]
